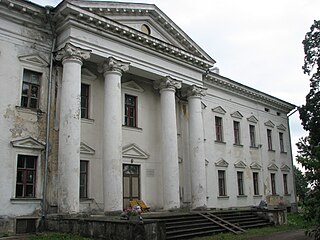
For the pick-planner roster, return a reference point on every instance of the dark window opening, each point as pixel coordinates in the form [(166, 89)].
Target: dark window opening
[(222, 183), (256, 183), (85, 100), (130, 118), (236, 132), (83, 179), (26, 176), (240, 183), (30, 89), (219, 130)]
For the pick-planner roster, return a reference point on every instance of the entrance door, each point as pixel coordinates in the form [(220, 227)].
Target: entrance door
[(131, 183)]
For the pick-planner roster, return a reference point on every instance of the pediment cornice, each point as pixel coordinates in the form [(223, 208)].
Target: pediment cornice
[(28, 143), (222, 163), (133, 151)]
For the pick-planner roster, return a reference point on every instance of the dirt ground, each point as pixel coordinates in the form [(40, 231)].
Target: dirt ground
[(292, 235)]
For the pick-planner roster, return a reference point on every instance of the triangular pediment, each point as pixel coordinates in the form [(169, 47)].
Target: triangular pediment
[(285, 168), (255, 166), (273, 167), (219, 109), (87, 74), (132, 85), (240, 164), (34, 60), (252, 119), (222, 163), (281, 127), (269, 124), (133, 151), (29, 143), (86, 149), (236, 114)]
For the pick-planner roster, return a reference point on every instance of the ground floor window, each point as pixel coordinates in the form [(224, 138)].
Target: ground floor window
[(26, 176), (240, 183), (222, 182), (273, 183), (285, 183), (256, 183), (83, 179)]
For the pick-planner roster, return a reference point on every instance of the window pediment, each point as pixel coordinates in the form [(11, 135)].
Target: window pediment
[(240, 164), (285, 168), (86, 149), (269, 124), (252, 119), (34, 60), (255, 166), (29, 143), (133, 151), (219, 109), (236, 114), (281, 127), (273, 167), (222, 163), (132, 85)]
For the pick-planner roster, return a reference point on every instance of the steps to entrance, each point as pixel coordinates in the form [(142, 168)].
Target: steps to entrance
[(195, 224)]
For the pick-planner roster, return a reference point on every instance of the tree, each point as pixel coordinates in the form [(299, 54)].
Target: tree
[(309, 147), (301, 184)]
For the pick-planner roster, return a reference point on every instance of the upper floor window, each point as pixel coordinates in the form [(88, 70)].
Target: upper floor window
[(273, 183), (26, 176), (240, 183), (222, 183), (83, 179), (252, 132), (30, 89), (255, 183), (281, 142), (269, 136), (85, 100), (236, 132), (219, 130), (130, 115)]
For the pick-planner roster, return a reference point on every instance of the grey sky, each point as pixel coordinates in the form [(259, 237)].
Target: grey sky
[(257, 43)]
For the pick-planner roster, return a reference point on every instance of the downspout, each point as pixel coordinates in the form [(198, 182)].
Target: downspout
[(48, 13)]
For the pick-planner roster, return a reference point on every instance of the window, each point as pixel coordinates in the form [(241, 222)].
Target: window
[(26, 176), (30, 89), (256, 183), (281, 142), (236, 131), (240, 183), (85, 100), (273, 183), (219, 131), (222, 183), (269, 135), (285, 183), (130, 118), (83, 179), (252, 131)]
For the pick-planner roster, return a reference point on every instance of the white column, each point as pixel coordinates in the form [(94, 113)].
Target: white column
[(112, 134), (196, 141), (169, 144), (69, 128)]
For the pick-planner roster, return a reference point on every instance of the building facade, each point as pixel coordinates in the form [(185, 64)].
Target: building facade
[(104, 102)]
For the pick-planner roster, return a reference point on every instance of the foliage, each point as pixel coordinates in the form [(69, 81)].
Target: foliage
[(301, 183), (57, 236), (309, 147)]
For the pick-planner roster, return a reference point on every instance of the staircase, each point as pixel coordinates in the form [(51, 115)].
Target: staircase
[(195, 224)]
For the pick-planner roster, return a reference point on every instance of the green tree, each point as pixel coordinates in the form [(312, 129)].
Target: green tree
[(309, 147), (301, 183)]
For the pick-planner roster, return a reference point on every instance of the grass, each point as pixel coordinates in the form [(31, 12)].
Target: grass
[(57, 236)]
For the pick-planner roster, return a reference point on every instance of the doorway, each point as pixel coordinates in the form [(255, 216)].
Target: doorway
[(131, 183)]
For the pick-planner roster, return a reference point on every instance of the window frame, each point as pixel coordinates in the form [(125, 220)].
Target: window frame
[(236, 132), (285, 183), (281, 142), (222, 183), (252, 135), (135, 111), (88, 96), (273, 183), (30, 84), (255, 178), (240, 182), (269, 139), (219, 128), (86, 175)]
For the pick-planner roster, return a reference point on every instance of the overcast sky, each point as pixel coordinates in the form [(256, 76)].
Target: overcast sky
[(257, 43)]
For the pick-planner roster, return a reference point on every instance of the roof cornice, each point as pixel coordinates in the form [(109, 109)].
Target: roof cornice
[(241, 90)]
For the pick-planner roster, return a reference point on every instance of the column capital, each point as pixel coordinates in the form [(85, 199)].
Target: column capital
[(196, 91), (72, 52), (167, 82), (112, 64)]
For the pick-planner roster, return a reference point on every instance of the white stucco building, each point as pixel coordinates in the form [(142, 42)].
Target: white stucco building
[(134, 112)]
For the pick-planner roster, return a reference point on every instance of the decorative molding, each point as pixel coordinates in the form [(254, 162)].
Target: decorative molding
[(240, 164), (34, 60), (269, 124), (196, 91), (285, 168), (219, 109), (69, 51), (86, 149), (255, 166), (167, 83), (237, 114), (132, 85), (281, 127), (86, 74), (133, 151), (273, 167), (112, 64), (222, 163), (252, 119), (28, 143)]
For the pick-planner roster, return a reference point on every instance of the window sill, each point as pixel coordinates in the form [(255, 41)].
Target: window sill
[(254, 147), (135, 129), (25, 200), (219, 142), (29, 110), (237, 145), (86, 200), (287, 194), (271, 150), (223, 197), (87, 120), (283, 152), (257, 196), (242, 196)]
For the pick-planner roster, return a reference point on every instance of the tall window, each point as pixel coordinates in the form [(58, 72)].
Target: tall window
[(240, 183), (252, 131), (269, 136), (219, 130), (236, 131), (26, 176), (281, 142), (30, 89), (285, 183), (273, 183), (83, 179), (222, 182), (85, 100), (130, 118), (256, 183)]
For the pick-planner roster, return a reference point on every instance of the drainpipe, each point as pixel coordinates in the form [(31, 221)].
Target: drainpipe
[(48, 13)]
